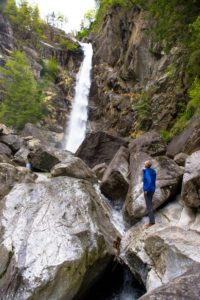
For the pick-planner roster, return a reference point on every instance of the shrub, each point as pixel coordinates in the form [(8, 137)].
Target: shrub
[(68, 44), (50, 69), (22, 100)]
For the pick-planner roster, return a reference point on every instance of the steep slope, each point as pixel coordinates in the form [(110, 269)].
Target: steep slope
[(137, 84)]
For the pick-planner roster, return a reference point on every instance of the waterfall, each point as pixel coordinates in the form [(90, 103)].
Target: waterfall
[(78, 120)]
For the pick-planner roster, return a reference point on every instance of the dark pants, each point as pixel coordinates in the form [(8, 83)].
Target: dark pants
[(148, 198)]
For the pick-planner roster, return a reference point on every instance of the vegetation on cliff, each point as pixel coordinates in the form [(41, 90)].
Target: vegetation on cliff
[(22, 95)]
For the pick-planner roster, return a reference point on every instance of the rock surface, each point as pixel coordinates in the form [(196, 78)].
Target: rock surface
[(188, 141), (45, 158), (150, 143), (168, 183), (5, 150), (191, 181), (99, 147), (115, 182), (9, 175), (50, 239), (99, 170), (73, 167), (13, 141), (180, 159), (184, 287), (165, 250)]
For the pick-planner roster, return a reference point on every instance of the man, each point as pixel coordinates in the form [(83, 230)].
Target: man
[(149, 186)]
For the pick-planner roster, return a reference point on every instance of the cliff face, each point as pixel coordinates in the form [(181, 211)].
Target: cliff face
[(130, 69), (60, 94)]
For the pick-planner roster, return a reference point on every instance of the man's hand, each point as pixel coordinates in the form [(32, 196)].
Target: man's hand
[(145, 193)]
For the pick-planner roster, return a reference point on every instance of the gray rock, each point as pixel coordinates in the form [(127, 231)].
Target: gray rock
[(13, 141), (180, 159), (5, 150), (20, 156), (50, 239), (46, 136), (191, 181), (99, 147), (73, 167), (115, 182), (45, 158), (99, 170), (9, 175), (150, 143), (184, 287), (188, 141), (168, 183)]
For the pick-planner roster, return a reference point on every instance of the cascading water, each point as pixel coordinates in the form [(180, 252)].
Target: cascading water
[(78, 120)]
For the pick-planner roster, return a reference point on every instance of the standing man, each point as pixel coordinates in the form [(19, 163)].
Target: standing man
[(149, 186)]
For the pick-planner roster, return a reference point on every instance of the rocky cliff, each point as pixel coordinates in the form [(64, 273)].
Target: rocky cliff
[(130, 68)]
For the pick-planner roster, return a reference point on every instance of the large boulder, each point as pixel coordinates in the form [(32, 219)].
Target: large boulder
[(5, 150), (150, 143), (99, 147), (188, 141), (165, 250), (45, 158), (191, 181), (184, 287), (13, 141), (50, 239), (168, 183), (115, 182), (9, 175), (73, 167), (46, 136)]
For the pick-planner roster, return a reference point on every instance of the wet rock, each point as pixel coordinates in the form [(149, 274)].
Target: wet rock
[(115, 182), (188, 141), (50, 239), (150, 143), (169, 176), (6, 35), (191, 181), (99, 147), (45, 158), (180, 159), (9, 175), (5, 150), (186, 286), (73, 167), (99, 170), (13, 141)]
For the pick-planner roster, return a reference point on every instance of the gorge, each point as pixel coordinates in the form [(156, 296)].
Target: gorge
[(126, 96)]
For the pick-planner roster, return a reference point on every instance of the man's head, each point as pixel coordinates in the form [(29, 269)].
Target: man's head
[(147, 164)]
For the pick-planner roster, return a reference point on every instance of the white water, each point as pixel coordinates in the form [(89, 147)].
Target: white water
[(78, 120)]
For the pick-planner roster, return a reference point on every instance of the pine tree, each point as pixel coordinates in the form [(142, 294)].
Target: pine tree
[(22, 102)]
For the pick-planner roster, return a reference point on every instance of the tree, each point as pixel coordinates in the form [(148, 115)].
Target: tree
[(23, 101)]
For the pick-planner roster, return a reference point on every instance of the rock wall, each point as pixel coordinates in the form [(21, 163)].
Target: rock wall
[(130, 67)]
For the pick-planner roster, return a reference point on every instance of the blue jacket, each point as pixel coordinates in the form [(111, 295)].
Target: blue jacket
[(149, 180)]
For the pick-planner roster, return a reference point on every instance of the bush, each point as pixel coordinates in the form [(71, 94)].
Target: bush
[(68, 44), (50, 69), (143, 107), (22, 102)]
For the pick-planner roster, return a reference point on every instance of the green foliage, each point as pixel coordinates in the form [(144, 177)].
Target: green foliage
[(143, 107), (166, 135), (193, 107), (68, 44), (50, 69), (22, 100), (25, 18)]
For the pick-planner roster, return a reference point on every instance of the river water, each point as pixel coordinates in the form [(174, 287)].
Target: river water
[(76, 128)]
